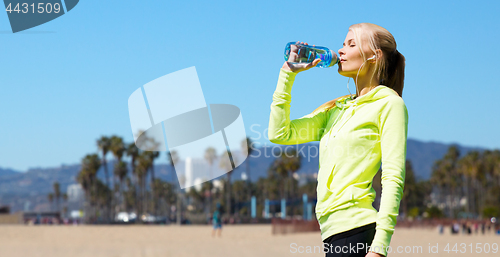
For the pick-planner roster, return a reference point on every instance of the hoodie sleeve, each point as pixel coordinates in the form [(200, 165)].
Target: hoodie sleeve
[(393, 136), (283, 131)]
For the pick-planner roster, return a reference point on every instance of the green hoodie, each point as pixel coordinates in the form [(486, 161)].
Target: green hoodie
[(356, 138)]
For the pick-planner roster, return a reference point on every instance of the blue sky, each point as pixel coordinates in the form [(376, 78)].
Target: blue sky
[(66, 83)]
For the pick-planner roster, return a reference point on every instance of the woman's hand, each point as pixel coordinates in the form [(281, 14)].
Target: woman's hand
[(372, 254), (298, 67)]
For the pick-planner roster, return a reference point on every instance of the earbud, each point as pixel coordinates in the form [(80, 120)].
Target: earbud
[(371, 58)]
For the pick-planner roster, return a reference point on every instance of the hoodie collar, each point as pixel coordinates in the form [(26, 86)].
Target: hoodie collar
[(380, 91)]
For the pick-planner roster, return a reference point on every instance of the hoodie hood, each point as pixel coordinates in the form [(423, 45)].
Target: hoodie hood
[(378, 92)]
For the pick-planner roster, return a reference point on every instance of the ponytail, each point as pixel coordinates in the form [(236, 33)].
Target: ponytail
[(395, 72)]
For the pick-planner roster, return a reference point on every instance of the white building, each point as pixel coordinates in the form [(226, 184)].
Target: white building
[(198, 170), (75, 193)]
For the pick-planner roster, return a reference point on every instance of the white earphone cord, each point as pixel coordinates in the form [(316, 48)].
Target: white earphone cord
[(356, 81)]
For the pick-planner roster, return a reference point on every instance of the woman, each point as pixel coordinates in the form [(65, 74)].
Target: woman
[(217, 221), (357, 135)]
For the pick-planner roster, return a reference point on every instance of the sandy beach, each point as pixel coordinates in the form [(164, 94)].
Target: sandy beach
[(236, 240)]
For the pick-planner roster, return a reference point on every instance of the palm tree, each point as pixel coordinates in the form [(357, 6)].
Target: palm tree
[(141, 171), (292, 163), (210, 156), (57, 194), (496, 165), (104, 143), (285, 166), (196, 198), (152, 156), (274, 185), (101, 197), (151, 152), (446, 176), (83, 179), (492, 165), (226, 165), (410, 190), (87, 178), (120, 172), (246, 145), (132, 151), (50, 197), (492, 171), (483, 181), (91, 164), (65, 208), (278, 167), (117, 148), (470, 168), (439, 178), (130, 196), (454, 179), (173, 159), (164, 193), (239, 189)]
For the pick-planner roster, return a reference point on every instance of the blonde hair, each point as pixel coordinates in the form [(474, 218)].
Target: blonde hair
[(390, 70)]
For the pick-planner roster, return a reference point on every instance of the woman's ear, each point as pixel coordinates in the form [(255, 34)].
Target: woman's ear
[(379, 55)]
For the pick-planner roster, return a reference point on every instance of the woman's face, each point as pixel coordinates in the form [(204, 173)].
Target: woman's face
[(350, 57)]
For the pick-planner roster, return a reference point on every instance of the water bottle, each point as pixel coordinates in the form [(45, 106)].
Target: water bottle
[(308, 53)]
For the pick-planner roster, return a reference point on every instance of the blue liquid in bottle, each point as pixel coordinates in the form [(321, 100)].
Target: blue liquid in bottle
[(308, 53)]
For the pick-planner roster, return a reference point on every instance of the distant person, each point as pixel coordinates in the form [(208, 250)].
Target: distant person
[(456, 228), (357, 134), (217, 221)]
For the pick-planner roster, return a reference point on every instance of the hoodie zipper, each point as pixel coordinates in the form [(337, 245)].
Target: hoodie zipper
[(348, 118), (341, 115)]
